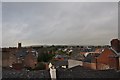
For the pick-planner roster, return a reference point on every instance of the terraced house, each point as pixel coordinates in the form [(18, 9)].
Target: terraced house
[(19, 57)]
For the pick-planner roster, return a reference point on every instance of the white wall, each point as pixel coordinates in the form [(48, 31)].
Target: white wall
[(73, 63), (53, 74)]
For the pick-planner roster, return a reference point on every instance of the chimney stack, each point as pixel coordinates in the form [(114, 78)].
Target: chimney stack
[(115, 44)]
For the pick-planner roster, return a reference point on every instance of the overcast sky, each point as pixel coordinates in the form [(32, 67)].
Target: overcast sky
[(78, 23)]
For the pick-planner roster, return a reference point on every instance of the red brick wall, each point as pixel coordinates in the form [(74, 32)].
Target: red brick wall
[(89, 65), (17, 66), (8, 59), (12, 59), (95, 66), (105, 58), (30, 61), (101, 66)]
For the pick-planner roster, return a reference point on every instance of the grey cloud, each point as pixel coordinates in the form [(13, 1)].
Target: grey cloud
[(59, 23)]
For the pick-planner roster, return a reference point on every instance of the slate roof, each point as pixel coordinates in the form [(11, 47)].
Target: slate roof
[(77, 72), (11, 74), (90, 57), (21, 53), (81, 72), (60, 63)]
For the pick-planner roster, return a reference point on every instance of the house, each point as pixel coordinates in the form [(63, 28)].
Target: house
[(75, 54), (96, 51), (111, 56), (30, 59), (108, 58), (8, 58), (24, 57), (80, 53)]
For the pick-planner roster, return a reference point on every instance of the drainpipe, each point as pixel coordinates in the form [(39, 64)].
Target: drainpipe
[(96, 63), (117, 63)]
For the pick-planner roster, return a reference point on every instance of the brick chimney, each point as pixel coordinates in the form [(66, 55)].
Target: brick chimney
[(115, 44)]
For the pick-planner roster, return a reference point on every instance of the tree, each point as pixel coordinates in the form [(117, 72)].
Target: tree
[(40, 66), (45, 57)]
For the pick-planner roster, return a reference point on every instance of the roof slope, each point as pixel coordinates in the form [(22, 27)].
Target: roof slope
[(118, 54), (81, 72), (90, 57)]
